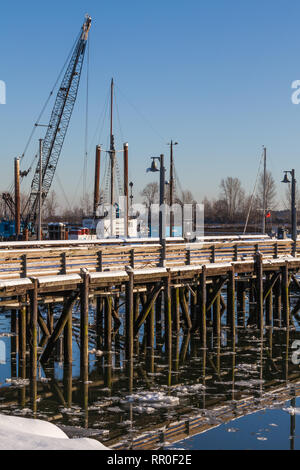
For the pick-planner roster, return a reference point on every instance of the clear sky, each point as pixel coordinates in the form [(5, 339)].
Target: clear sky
[(215, 75)]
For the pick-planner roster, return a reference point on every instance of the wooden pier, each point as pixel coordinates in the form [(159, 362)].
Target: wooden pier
[(142, 301)]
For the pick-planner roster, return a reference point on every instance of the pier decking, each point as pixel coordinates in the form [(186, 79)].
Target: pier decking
[(177, 285)]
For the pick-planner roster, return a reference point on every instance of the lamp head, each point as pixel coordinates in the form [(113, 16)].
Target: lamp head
[(285, 179), (153, 168)]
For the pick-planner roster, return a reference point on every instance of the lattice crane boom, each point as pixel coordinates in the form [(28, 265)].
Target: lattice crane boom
[(58, 125)]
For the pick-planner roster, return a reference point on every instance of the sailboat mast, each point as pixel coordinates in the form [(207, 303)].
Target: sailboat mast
[(112, 147), (112, 155), (171, 190), (111, 113), (264, 192)]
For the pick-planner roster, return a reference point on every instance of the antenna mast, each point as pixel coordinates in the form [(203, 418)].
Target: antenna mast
[(264, 192)]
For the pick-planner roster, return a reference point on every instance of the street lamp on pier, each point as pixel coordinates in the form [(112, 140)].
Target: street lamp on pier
[(162, 209), (293, 205)]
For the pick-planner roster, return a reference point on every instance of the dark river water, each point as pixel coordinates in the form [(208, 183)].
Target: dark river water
[(243, 392)]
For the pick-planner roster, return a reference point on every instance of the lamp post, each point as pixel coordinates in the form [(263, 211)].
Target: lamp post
[(293, 205), (172, 187), (162, 209)]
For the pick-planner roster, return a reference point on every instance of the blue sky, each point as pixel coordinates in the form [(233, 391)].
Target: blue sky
[(215, 75)]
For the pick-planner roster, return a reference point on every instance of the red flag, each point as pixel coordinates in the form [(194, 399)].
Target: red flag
[(268, 215)]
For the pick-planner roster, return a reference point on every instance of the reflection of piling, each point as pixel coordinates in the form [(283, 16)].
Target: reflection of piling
[(259, 290), (285, 295)]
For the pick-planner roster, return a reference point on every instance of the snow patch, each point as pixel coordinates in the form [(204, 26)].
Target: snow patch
[(33, 434)]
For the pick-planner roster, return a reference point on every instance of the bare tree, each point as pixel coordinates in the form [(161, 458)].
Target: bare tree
[(186, 198), (86, 206), (150, 194), (288, 198), (233, 195), (270, 191), (50, 206)]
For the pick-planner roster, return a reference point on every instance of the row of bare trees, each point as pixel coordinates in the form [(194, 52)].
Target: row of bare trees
[(150, 195), (232, 204)]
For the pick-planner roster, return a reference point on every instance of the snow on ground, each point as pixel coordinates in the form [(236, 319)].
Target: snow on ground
[(34, 434)]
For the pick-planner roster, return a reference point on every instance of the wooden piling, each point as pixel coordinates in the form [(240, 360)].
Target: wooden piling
[(129, 314), (168, 317), (84, 319), (241, 304), (50, 318), (22, 331), (277, 303), (285, 295), (202, 305), (269, 303), (33, 328), (15, 331), (176, 309), (136, 311), (68, 339), (231, 301), (217, 316), (59, 327), (107, 324), (259, 290), (99, 321)]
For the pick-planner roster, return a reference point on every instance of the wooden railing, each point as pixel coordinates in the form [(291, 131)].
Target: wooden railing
[(22, 263)]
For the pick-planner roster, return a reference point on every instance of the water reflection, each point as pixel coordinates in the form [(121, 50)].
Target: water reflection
[(116, 400)]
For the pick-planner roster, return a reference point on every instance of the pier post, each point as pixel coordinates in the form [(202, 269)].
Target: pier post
[(241, 303), (22, 329), (269, 302), (217, 316), (67, 382), (285, 294), (33, 328), (176, 297), (259, 290), (277, 303), (168, 316), (129, 314), (99, 321), (202, 305), (14, 340), (84, 319), (68, 338), (158, 318), (50, 318), (136, 311), (107, 323), (231, 301)]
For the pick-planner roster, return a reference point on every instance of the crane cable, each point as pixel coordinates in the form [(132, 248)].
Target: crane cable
[(49, 97), (10, 189), (252, 196), (86, 123)]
